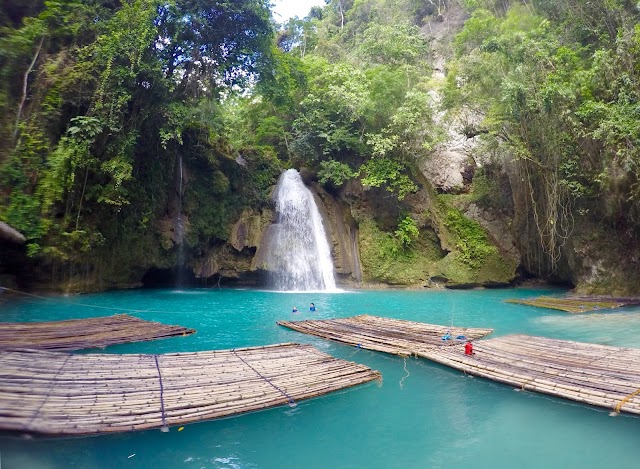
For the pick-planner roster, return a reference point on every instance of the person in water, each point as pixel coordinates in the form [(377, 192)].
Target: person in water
[(312, 307), (294, 310), (468, 348)]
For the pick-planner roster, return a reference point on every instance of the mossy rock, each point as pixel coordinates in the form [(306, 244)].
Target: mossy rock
[(494, 270), (384, 260)]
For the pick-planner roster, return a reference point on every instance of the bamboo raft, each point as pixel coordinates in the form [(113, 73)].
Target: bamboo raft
[(593, 374), (54, 393), (76, 334), (577, 304), (394, 336)]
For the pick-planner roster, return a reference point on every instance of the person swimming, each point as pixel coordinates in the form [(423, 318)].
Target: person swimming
[(294, 310), (312, 307)]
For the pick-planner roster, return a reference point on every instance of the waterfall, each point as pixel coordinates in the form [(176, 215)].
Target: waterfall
[(179, 228), (357, 270), (298, 255)]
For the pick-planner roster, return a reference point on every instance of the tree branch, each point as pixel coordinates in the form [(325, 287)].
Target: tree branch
[(25, 82)]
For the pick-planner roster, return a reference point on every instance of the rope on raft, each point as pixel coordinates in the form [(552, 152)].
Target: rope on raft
[(405, 369), (618, 407), (164, 427), (46, 396), (292, 402)]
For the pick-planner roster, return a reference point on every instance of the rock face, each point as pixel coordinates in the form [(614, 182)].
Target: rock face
[(236, 260), (447, 166), (498, 228), (224, 262), (247, 231), (342, 231)]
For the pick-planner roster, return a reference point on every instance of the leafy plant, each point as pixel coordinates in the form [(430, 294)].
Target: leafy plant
[(407, 231), (470, 239), (334, 172)]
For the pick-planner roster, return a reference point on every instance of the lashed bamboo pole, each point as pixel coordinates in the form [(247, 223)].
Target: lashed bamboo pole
[(394, 336), (76, 334), (594, 374), (61, 394)]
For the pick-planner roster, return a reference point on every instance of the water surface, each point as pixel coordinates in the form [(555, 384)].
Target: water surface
[(422, 415)]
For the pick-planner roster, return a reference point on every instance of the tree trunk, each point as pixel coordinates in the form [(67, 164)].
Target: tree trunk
[(25, 82)]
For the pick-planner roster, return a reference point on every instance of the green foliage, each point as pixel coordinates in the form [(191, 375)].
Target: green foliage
[(407, 231), (383, 171), (231, 35), (331, 114), (116, 91), (470, 239), (72, 154), (396, 45), (18, 184), (558, 91), (263, 169), (23, 213), (376, 92), (334, 172)]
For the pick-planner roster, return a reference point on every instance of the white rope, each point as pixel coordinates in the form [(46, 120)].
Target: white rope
[(404, 359)]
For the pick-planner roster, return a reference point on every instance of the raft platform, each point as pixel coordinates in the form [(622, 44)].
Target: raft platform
[(395, 336), (55, 393), (598, 375), (576, 305), (77, 334)]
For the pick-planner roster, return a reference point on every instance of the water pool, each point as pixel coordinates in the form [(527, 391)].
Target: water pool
[(422, 415)]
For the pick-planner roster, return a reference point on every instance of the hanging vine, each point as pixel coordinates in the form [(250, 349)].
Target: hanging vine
[(551, 206)]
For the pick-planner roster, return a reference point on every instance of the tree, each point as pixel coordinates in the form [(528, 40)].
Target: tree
[(207, 44)]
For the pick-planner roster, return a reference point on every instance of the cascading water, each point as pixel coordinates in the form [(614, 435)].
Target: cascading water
[(179, 228), (298, 255)]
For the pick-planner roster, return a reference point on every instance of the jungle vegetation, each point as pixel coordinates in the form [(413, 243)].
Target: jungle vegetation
[(105, 102)]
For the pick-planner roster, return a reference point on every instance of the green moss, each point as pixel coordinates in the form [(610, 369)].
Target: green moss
[(383, 259), (470, 239), (472, 259), (454, 270), (495, 269)]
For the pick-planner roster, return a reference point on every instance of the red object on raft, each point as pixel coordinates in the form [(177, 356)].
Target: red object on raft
[(468, 348)]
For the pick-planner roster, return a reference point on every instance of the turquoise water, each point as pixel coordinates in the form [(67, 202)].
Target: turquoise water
[(422, 415)]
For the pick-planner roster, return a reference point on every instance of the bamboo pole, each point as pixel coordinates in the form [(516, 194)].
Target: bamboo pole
[(76, 334), (60, 394), (589, 373)]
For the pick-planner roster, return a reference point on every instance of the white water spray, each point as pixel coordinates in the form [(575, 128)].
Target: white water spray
[(179, 227), (298, 255)]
